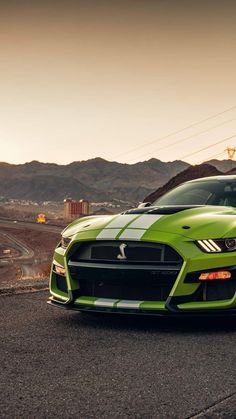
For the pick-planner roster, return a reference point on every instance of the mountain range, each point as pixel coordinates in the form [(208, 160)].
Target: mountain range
[(96, 179)]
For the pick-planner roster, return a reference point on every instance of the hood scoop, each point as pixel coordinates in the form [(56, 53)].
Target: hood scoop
[(165, 210)]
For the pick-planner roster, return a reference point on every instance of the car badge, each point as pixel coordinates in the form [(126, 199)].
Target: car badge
[(122, 254)]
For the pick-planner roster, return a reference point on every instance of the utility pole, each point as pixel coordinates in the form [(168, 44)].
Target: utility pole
[(231, 152)]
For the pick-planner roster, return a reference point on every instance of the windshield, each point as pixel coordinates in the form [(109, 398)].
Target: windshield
[(205, 192)]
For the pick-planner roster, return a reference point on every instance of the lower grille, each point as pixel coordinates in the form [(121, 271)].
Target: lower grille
[(219, 291), (121, 283), (213, 290), (61, 283)]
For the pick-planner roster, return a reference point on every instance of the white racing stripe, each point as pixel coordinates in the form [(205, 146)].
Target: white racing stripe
[(105, 302), (137, 226), (122, 220), (129, 304), (130, 234), (108, 233), (145, 221)]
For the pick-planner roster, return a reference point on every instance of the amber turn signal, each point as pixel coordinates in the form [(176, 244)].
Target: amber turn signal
[(59, 270), (212, 276)]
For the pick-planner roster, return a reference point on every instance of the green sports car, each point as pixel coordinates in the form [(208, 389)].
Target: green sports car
[(176, 256)]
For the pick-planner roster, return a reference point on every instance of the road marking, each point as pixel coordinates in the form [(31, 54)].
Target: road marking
[(208, 411)]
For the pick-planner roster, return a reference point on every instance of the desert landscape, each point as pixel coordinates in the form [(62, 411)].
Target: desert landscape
[(26, 247)]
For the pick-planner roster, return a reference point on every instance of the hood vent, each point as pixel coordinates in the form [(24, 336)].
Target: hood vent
[(168, 210)]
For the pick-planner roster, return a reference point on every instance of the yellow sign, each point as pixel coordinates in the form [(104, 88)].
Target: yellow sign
[(41, 219)]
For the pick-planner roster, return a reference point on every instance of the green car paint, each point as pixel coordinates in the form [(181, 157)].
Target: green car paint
[(188, 234)]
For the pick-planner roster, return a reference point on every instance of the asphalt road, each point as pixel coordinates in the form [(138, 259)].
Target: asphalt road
[(68, 365), (32, 225), (26, 253), (24, 259)]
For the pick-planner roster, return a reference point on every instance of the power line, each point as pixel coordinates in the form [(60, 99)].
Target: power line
[(211, 157), (175, 132), (206, 148), (190, 136)]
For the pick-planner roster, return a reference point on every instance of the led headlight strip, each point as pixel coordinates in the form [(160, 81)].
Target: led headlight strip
[(209, 246)]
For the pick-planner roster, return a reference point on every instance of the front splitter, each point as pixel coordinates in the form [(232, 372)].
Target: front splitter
[(160, 313)]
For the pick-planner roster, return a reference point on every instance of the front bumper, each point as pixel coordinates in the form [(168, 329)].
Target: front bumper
[(178, 302), (168, 312), (182, 298)]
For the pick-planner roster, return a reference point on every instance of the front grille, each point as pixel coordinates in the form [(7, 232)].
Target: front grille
[(148, 273), (134, 252)]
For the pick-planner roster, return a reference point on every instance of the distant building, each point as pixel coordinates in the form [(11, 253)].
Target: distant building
[(6, 251), (75, 209)]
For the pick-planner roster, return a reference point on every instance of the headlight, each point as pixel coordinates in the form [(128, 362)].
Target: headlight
[(230, 244), (65, 241), (217, 245)]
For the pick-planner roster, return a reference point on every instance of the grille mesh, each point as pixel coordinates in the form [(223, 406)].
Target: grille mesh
[(132, 284)]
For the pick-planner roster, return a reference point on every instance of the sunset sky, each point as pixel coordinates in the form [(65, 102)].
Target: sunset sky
[(117, 79)]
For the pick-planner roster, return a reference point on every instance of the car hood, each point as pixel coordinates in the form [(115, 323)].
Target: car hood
[(192, 222)]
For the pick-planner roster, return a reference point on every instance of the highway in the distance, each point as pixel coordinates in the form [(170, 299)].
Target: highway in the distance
[(60, 364), (24, 259), (30, 225)]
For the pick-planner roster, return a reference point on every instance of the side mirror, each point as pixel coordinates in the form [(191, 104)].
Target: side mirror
[(144, 204)]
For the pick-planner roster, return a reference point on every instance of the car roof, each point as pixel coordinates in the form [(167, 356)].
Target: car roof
[(219, 178)]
